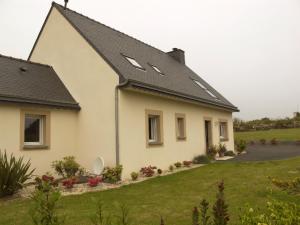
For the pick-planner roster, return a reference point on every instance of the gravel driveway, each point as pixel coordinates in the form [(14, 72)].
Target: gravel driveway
[(269, 152)]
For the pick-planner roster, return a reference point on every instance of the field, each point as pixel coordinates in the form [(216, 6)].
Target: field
[(173, 196), (279, 134)]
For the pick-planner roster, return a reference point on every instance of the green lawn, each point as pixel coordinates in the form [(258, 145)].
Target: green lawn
[(173, 196), (279, 134)]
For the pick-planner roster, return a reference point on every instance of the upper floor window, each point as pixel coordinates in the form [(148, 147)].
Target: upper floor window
[(133, 62), (157, 70), (207, 91)]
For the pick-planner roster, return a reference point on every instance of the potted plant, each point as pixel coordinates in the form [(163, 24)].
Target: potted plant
[(222, 149), (212, 151)]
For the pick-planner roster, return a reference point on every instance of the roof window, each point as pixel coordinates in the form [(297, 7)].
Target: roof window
[(134, 62), (207, 91), (157, 70)]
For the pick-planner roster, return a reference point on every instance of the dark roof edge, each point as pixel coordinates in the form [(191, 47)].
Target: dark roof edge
[(12, 99), (180, 95), (24, 61)]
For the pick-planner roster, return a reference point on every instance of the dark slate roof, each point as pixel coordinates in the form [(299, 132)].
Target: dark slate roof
[(112, 45), (32, 83)]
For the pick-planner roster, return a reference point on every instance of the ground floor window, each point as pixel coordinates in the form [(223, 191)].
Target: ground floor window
[(35, 129), (223, 131), (154, 135), (180, 126)]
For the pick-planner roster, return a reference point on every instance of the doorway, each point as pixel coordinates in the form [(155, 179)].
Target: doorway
[(208, 134)]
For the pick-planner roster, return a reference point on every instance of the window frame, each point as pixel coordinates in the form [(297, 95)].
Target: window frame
[(177, 131), (226, 136), (156, 69), (138, 66), (159, 118), (44, 142)]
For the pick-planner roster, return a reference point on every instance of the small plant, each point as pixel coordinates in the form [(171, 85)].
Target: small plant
[(195, 217), (14, 172), (212, 151), (45, 200), (112, 174), (220, 208), (159, 171), (291, 186), (178, 164), (134, 176), (204, 206), (45, 178), (263, 141), (148, 171), (222, 149), (240, 145), (229, 153), (67, 167), (274, 141), (171, 168), (68, 183), (94, 181), (187, 163), (201, 159)]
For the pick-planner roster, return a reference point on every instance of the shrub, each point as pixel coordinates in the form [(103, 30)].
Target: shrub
[(274, 141), (134, 176), (178, 164), (201, 159), (45, 200), (229, 153), (112, 174), (148, 171), (187, 163), (67, 167), (240, 146), (204, 206), (212, 151), (222, 149), (263, 141), (220, 208), (159, 171), (13, 174), (171, 168), (94, 181), (68, 183), (292, 186)]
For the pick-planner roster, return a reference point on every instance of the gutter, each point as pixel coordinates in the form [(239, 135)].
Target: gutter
[(123, 84)]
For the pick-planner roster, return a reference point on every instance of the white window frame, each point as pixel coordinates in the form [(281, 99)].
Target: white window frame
[(223, 126), (41, 129), (153, 129)]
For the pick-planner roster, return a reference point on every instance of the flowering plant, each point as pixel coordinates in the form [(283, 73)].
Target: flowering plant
[(94, 181), (148, 171)]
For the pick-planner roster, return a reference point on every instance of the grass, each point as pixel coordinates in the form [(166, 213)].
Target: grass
[(173, 196), (280, 134)]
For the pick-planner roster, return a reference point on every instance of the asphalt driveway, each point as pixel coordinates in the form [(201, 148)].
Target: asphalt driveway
[(269, 152)]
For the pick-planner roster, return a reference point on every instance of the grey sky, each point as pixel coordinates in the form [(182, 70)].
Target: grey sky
[(249, 50)]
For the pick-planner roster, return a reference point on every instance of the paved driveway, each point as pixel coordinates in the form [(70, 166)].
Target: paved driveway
[(269, 152)]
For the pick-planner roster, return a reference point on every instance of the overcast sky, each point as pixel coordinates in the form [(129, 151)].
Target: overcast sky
[(249, 50)]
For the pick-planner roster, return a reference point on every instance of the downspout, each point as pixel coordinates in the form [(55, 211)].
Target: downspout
[(117, 119)]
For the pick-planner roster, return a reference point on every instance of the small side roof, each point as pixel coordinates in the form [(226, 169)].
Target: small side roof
[(32, 83)]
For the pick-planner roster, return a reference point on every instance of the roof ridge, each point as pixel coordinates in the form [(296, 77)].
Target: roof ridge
[(23, 60), (161, 51)]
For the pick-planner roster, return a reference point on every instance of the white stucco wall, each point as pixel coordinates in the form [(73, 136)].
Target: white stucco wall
[(63, 135), (134, 152), (91, 82)]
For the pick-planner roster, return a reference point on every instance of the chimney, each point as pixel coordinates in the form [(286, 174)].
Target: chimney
[(178, 55), (66, 4)]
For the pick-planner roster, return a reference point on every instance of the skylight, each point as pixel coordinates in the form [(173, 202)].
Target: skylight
[(134, 62), (207, 91), (157, 70)]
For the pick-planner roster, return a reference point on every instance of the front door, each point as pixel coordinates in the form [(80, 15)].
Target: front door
[(207, 134)]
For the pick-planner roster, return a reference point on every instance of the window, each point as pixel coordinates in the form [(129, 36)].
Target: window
[(33, 133), (154, 134), (180, 126), (157, 70), (223, 131), (134, 62), (207, 91), (35, 129)]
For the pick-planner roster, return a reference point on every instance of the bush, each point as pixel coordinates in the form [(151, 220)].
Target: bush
[(240, 145), (291, 186), (134, 176), (148, 171), (178, 164), (68, 183), (222, 149), (229, 153), (94, 181), (159, 171), (67, 167), (112, 174), (274, 141), (13, 174), (263, 141), (212, 151), (171, 168), (187, 163), (201, 159), (45, 200)]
